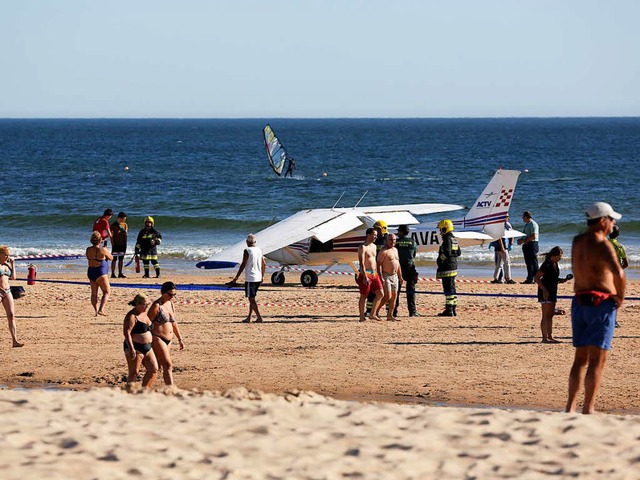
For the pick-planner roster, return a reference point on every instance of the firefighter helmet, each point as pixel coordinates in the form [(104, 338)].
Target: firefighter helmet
[(382, 225), (445, 226)]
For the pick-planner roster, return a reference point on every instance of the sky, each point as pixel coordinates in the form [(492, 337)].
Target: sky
[(319, 59)]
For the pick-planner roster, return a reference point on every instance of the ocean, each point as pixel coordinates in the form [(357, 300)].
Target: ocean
[(207, 182)]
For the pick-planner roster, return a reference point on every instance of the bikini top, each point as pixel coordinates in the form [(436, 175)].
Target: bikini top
[(5, 269), (140, 327), (96, 256), (164, 316)]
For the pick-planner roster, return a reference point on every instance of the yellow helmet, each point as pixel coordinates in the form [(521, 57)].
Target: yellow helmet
[(149, 219), (446, 225), (382, 225)]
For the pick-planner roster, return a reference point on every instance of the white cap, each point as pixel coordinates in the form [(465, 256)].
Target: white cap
[(602, 209)]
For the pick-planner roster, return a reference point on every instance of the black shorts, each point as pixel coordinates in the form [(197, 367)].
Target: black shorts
[(122, 249), (251, 289)]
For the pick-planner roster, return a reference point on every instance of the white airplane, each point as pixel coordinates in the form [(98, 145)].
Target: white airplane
[(329, 236)]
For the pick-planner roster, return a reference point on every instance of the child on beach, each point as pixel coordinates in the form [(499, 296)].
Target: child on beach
[(547, 278)]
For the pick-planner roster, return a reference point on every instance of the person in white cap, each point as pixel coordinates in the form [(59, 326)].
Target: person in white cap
[(599, 292), (254, 266)]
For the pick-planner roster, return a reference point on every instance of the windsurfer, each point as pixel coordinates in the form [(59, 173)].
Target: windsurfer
[(290, 167)]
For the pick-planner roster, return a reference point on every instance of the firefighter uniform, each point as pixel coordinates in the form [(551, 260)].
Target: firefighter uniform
[(448, 267)]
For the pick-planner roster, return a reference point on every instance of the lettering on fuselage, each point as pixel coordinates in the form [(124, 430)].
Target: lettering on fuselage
[(484, 204), (426, 238)]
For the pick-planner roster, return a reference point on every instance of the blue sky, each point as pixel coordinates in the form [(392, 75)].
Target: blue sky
[(332, 58)]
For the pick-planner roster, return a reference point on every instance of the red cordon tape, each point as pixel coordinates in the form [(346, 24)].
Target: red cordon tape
[(330, 272), (242, 304), (425, 279), (42, 257), (420, 279)]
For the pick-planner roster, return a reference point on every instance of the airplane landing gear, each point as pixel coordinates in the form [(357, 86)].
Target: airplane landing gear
[(309, 278), (277, 278)]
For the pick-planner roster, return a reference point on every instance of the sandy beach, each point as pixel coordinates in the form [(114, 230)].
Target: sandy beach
[(490, 355)]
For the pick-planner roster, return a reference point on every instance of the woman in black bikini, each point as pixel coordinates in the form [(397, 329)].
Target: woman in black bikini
[(137, 342), (164, 327), (98, 272), (8, 272)]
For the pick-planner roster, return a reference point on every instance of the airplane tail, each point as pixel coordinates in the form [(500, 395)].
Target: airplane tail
[(490, 210)]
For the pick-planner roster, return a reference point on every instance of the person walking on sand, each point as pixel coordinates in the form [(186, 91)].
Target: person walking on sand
[(254, 265), (530, 245), (8, 272), (391, 274), (368, 280), (137, 342), (448, 267), (164, 326), (98, 272), (547, 278), (599, 291)]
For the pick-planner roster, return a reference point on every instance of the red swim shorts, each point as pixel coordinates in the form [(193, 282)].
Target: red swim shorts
[(372, 287)]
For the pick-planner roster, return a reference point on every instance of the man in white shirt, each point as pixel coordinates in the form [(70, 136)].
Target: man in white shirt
[(254, 266)]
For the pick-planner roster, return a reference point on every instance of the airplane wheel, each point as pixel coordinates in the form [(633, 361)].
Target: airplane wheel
[(277, 278), (309, 278)]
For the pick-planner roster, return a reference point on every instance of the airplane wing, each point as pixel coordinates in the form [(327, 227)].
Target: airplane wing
[(323, 224), (415, 209), (473, 236), (512, 234)]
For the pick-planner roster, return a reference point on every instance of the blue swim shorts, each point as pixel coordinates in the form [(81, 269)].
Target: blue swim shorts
[(593, 325)]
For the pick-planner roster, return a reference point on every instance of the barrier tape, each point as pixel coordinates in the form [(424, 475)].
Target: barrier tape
[(23, 258), (334, 272), (243, 304), (299, 269)]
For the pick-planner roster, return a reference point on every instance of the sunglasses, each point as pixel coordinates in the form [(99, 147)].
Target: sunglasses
[(171, 294)]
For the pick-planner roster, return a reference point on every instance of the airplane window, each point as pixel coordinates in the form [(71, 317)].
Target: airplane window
[(317, 246)]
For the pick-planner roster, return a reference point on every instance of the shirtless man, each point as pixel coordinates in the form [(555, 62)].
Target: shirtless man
[(368, 279), (391, 275), (599, 292)]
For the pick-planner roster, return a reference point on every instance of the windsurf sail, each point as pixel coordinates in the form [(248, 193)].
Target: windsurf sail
[(275, 151)]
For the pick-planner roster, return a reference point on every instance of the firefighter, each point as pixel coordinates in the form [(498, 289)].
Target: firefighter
[(448, 267)]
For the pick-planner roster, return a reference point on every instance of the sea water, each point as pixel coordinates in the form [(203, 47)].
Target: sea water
[(207, 183)]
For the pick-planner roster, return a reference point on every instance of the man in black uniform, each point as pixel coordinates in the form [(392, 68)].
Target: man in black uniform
[(448, 267), (407, 250)]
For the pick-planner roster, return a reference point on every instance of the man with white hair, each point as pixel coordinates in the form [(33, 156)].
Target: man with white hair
[(254, 266), (599, 292)]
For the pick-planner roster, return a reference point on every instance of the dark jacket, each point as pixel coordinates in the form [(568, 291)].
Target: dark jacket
[(448, 257), (147, 242)]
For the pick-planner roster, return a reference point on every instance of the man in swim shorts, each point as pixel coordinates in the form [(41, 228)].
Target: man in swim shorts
[(368, 279), (599, 292), (391, 274), (254, 265)]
